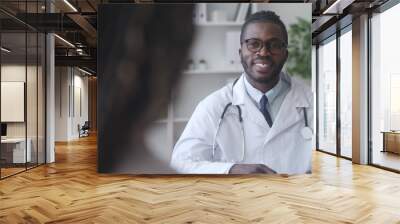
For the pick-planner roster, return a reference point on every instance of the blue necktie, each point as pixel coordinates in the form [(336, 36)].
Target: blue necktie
[(264, 110)]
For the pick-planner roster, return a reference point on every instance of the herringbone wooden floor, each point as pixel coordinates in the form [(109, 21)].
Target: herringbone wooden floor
[(70, 191)]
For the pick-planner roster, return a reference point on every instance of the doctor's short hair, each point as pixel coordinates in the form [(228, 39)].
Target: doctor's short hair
[(264, 16)]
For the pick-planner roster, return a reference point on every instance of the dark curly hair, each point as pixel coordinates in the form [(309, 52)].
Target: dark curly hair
[(265, 16)]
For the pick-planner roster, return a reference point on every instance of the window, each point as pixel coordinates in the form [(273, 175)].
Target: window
[(385, 89), (346, 92), (327, 96)]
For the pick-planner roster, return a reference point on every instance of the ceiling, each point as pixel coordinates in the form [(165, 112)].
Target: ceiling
[(76, 22), (72, 20), (329, 16)]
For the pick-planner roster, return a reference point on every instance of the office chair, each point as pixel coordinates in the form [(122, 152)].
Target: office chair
[(84, 130)]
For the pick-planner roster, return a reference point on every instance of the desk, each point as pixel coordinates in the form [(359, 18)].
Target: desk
[(13, 150), (391, 141)]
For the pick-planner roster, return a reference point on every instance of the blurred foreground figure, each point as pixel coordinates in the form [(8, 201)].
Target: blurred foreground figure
[(142, 50)]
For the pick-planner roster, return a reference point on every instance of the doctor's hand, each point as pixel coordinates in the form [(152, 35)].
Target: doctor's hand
[(250, 168)]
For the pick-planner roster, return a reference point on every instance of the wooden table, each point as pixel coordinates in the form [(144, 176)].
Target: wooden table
[(13, 150), (391, 141)]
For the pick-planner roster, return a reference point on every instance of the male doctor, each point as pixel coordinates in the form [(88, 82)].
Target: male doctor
[(266, 126)]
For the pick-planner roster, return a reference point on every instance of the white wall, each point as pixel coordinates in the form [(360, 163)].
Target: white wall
[(61, 103), (16, 73), (12, 73), (70, 83), (79, 117)]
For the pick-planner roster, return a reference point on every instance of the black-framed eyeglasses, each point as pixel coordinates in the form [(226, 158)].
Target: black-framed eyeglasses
[(274, 46)]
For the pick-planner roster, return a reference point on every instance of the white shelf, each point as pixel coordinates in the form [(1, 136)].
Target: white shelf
[(161, 121), (181, 119), (216, 24), (213, 71)]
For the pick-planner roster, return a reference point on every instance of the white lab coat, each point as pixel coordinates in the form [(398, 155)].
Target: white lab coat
[(281, 147)]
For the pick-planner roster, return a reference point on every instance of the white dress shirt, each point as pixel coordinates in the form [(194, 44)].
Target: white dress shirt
[(275, 96)]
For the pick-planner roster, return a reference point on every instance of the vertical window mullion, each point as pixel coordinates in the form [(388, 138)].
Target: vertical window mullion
[(37, 89), (26, 86), (338, 73), (0, 90), (317, 96)]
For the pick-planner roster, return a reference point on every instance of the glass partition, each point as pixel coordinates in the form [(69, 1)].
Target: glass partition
[(22, 88), (31, 87), (14, 153), (326, 135), (31, 100)]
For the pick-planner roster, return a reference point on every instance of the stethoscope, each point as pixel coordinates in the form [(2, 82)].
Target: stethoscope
[(306, 131)]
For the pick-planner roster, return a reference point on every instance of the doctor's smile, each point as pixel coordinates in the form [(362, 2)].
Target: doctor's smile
[(260, 123), (263, 66)]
